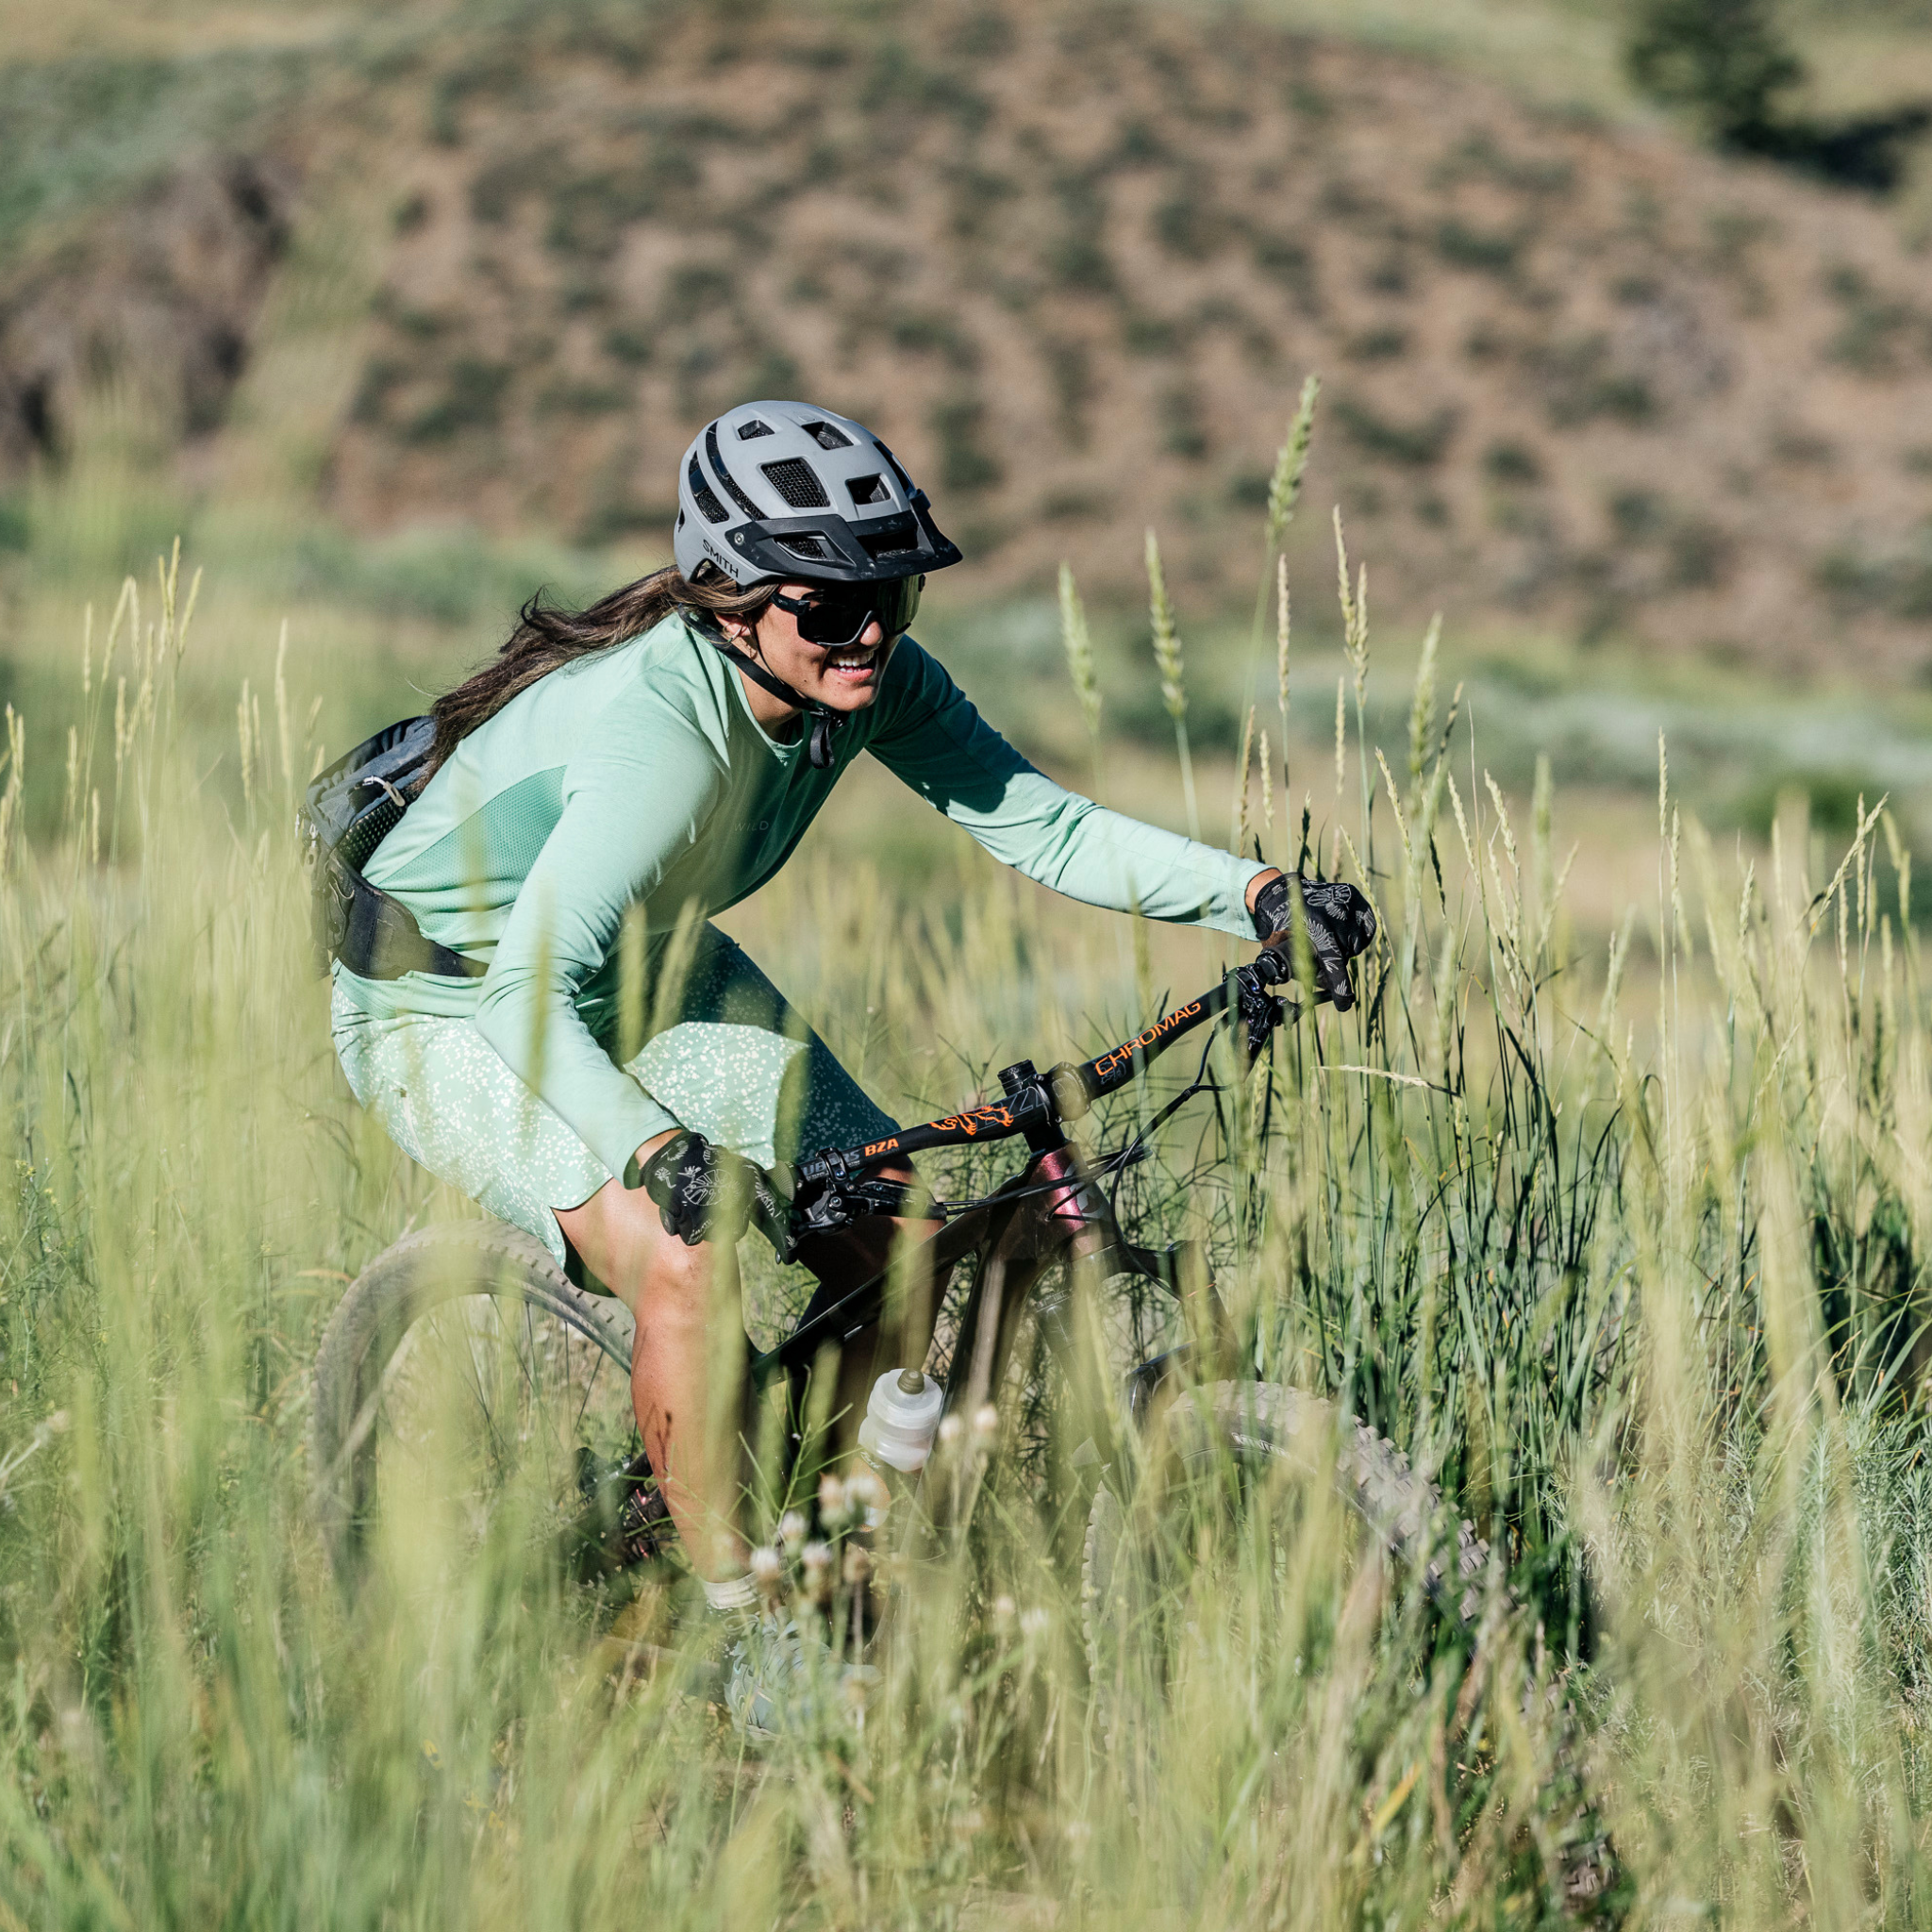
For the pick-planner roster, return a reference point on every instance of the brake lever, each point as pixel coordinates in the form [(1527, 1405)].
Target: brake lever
[(1260, 1011), (1279, 971), (824, 1208)]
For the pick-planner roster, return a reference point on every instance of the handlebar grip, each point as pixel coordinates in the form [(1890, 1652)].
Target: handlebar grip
[(1272, 964)]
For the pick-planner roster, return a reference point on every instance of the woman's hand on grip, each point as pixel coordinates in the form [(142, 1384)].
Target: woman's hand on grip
[(706, 1193), (1340, 924)]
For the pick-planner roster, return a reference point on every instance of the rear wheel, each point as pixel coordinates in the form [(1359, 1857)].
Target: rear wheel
[(465, 1389)]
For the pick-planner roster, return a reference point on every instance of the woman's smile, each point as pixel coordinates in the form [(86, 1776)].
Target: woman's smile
[(853, 664)]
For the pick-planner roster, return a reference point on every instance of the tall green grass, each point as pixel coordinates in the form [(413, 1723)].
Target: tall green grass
[(1625, 1251)]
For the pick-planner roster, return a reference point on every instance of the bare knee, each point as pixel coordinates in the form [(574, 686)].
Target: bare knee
[(622, 1239), (675, 1281)]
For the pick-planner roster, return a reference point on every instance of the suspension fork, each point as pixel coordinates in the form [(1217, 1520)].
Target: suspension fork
[(1183, 1270)]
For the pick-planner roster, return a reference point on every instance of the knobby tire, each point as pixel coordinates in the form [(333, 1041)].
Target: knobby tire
[(407, 1281)]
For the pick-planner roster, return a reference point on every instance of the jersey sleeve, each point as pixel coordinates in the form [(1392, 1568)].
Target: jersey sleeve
[(629, 811), (933, 739)]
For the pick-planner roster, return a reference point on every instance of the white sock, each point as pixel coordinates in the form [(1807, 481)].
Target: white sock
[(732, 1593)]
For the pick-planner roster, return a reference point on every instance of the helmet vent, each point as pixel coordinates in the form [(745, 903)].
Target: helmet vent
[(755, 427), (825, 436), (889, 543), (803, 543), (724, 475), (705, 496), (869, 490), (795, 481)]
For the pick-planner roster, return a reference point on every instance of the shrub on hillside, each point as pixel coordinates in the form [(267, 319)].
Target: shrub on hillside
[(1723, 61), (965, 463), (1726, 63), (1415, 445)]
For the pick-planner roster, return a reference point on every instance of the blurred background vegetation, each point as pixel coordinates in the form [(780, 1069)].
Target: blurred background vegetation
[(395, 313)]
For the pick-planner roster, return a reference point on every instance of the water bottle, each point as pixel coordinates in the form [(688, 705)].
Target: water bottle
[(901, 1420)]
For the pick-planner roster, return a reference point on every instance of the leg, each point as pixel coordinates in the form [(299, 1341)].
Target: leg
[(676, 1295), (451, 1103), (741, 1067), (673, 1292)]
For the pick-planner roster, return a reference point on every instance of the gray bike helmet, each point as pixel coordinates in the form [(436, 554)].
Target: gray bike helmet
[(777, 491)]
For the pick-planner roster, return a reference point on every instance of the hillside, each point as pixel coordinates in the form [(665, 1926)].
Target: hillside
[(1073, 261)]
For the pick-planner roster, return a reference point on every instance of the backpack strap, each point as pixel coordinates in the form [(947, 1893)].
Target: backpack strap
[(375, 935), (346, 814)]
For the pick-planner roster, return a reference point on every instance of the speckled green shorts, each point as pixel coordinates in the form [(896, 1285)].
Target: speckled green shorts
[(738, 1066)]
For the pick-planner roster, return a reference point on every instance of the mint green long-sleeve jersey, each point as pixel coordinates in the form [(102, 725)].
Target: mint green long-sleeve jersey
[(637, 776)]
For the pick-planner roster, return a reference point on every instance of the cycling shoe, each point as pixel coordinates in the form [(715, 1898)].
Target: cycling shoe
[(785, 1680)]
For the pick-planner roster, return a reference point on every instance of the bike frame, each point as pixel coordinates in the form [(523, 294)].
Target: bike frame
[(1051, 1209)]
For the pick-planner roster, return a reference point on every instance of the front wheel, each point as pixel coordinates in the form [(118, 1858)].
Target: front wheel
[(462, 1388), (1208, 1533), (1230, 1468)]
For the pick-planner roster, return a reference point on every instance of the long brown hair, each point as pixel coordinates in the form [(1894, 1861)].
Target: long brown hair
[(547, 636)]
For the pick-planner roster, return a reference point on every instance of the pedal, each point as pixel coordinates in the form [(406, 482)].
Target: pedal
[(624, 1520)]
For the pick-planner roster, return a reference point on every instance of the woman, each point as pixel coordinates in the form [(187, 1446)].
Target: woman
[(613, 780)]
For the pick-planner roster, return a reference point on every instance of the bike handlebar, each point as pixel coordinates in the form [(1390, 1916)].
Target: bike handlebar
[(1037, 1103)]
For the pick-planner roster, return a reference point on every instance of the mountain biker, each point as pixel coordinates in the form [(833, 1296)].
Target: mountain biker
[(609, 1066)]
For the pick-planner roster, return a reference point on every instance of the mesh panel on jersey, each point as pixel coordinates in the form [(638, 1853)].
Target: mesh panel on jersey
[(499, 841)]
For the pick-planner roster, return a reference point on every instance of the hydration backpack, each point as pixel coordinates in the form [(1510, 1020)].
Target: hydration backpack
[(345, 814)]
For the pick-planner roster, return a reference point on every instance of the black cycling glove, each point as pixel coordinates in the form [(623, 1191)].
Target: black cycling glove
[(1340, 925), (694, 1184)]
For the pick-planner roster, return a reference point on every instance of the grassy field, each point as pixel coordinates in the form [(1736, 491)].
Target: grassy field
[(1611, 1217), (1610, 1208)]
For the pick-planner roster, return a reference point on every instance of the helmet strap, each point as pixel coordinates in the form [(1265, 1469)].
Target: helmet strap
[(824, 720)]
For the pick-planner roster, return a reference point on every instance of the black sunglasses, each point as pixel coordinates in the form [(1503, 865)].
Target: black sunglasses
[(837, 614)]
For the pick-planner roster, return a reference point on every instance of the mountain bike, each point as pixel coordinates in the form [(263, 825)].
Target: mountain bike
[(462, 1360)]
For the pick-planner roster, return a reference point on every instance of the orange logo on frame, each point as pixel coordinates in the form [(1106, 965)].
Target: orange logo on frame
[(969, 1123)]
